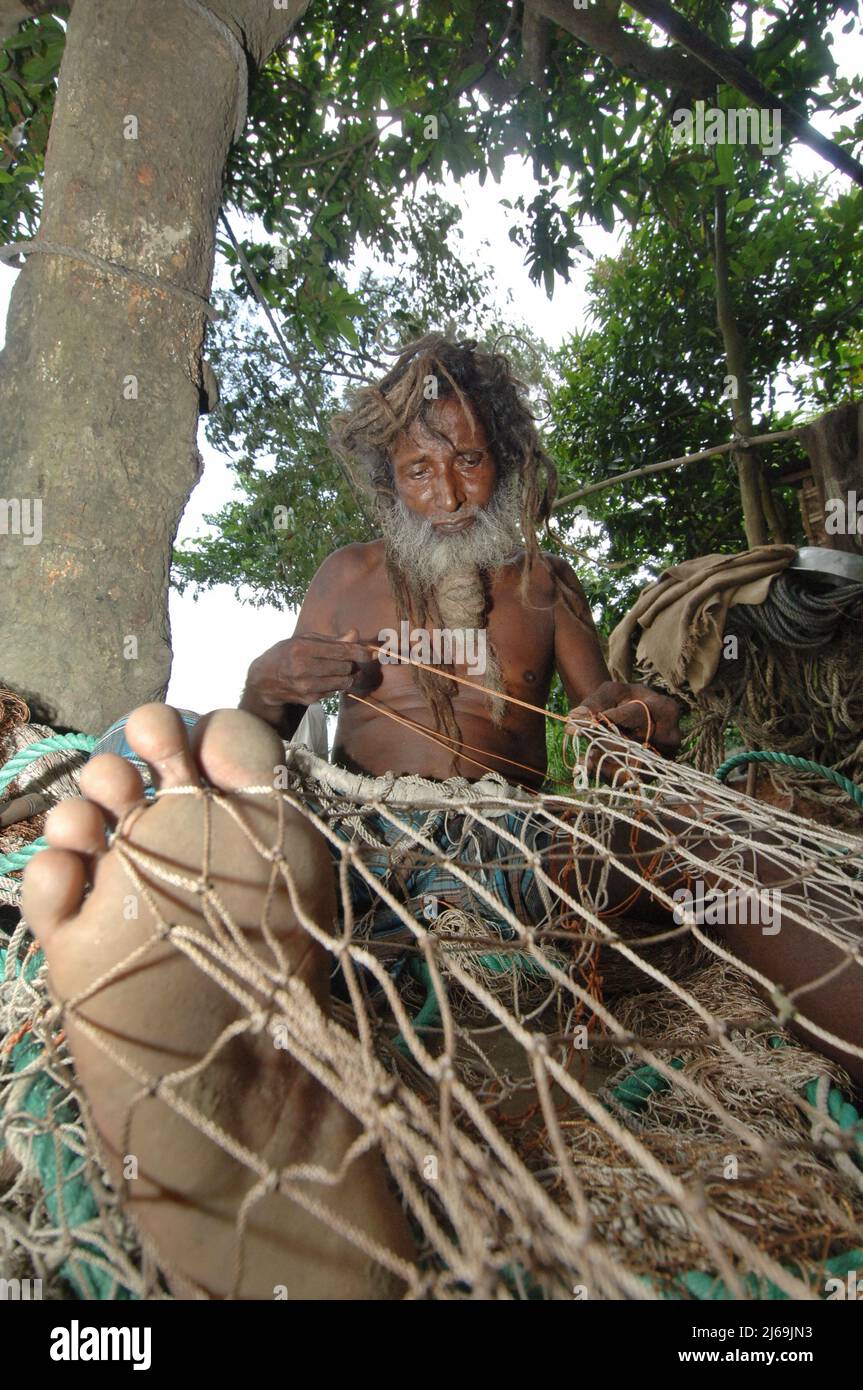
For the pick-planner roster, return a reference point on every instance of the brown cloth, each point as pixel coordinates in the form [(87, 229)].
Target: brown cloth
[(680, 619)]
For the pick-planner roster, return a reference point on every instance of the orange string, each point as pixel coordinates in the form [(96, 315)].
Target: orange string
[(435, 737), (421, 729), (15, 1038), (461, 680)]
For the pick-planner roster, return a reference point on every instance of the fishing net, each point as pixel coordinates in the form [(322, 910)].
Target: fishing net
[(573, 1097)]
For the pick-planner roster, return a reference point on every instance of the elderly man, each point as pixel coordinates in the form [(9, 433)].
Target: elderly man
[(449, 447)]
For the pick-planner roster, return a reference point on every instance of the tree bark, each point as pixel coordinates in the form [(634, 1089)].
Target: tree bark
[(834, 443), (101, 374)]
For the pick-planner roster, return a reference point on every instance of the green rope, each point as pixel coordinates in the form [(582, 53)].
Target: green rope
[(801, 764), (75, 743)]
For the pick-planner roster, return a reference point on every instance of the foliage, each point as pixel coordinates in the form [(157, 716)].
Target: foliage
[(365, 98), (29, 64), (648, 382)]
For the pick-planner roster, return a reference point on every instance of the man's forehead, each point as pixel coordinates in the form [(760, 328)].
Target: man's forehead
[(458, 422)]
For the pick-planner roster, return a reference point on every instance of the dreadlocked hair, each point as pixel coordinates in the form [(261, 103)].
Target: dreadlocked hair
[(483, 382)]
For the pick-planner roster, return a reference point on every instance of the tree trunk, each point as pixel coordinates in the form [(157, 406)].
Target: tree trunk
[(100, 377), (834, 443), (748, 467)]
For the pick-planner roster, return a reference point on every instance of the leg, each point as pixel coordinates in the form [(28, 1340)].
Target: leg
[(162, 1014), (683, 845)]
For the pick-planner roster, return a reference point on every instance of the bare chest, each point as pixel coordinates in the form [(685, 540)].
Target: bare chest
[(520, 634)]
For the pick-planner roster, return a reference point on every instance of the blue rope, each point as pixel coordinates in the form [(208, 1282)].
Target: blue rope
[(73, 743)]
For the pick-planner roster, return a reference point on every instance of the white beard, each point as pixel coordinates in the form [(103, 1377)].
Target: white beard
[(424, 557), (450, 568)]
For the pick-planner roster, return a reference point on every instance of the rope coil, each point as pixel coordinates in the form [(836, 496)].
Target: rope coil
[(73, 743)]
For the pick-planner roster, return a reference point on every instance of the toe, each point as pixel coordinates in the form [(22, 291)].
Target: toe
[(159, 736), (54, 884), (235, 749), (112, 783), (78, 825)]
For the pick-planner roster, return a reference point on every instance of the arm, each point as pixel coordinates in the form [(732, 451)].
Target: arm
[(588, 684), (315, 661), (577, 653)]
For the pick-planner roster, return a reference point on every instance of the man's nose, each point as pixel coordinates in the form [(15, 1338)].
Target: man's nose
[(449, 491)]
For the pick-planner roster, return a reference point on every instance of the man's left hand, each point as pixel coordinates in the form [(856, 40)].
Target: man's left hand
[(624, 705)]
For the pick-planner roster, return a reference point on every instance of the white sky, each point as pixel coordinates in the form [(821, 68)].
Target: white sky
[(216, 637)]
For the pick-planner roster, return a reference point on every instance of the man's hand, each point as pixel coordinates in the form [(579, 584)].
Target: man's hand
[(303, 669), (624, 706)]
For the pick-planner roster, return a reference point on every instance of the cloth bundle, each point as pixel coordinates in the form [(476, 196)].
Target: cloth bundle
[(675, 629)]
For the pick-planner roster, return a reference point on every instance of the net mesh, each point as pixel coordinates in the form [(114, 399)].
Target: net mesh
[(572, 1095)]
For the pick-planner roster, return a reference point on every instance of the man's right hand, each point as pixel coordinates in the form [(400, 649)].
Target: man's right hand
[(303, 669)]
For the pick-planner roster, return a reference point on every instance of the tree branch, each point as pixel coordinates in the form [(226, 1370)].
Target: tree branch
[(599, 28), (732, 71), (674, 463), (747, 462), (534, 46)]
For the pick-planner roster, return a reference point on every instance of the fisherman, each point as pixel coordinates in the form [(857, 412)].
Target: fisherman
[(461, 484)]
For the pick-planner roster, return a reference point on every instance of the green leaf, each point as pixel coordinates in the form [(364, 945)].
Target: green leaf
[(39, 68), (323, 231), (25, 38), (348, 331), (12, 86), (629, 125)]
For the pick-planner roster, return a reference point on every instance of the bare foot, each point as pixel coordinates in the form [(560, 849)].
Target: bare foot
[(160, 1014)]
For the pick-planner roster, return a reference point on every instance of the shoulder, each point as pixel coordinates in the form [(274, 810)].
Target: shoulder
[(560, 568), (349, 563), (562, 575), (549, 574)]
